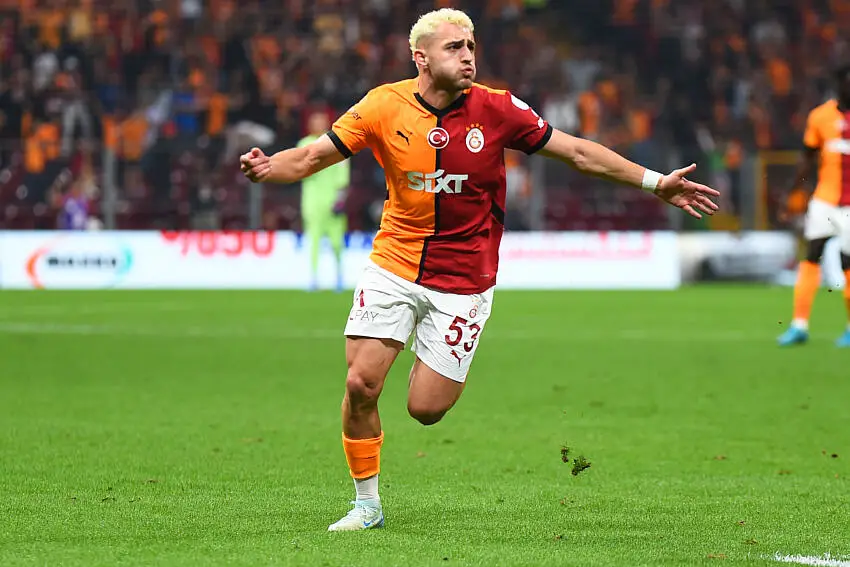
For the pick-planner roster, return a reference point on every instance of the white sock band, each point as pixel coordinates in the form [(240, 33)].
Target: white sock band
[(650, 180), (367, 488)]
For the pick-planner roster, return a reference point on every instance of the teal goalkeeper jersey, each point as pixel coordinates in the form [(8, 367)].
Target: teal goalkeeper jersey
[(320, 191)]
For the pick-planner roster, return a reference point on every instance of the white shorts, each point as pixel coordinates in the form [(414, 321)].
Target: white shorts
[(825, 221), (448, 326)]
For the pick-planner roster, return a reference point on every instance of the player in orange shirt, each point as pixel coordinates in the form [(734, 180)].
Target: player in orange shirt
[(827, 138), (441, 139)]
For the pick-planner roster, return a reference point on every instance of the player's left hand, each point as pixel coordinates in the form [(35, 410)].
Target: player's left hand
[(689, 196)]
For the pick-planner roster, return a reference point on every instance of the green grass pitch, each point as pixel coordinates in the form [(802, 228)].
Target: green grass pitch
[(202, 428)]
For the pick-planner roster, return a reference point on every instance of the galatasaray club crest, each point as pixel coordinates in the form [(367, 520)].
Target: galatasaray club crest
[(475, 138)]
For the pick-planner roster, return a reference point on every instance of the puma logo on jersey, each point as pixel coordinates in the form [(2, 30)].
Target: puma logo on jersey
[(406, 139), (436, 182)]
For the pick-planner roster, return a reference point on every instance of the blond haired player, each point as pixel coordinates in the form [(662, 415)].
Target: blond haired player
[(441, 140)]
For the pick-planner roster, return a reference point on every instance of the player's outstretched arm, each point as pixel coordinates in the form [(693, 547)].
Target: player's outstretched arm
[(597, 160), (292, 165)]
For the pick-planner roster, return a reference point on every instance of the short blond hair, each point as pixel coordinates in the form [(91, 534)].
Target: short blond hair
[(428, 23)]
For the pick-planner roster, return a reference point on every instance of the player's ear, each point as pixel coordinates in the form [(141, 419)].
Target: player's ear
[(419, 58)]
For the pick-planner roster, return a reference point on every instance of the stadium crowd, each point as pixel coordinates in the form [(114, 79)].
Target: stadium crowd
[(176, 89)]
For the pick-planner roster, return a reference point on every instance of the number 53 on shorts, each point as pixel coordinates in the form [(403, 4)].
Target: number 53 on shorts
[(449, 332), (456, 334)]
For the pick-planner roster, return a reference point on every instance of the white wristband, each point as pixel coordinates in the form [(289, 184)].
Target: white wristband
[(650, 180)]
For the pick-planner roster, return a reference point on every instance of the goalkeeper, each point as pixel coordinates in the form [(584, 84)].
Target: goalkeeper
[(322, 204)]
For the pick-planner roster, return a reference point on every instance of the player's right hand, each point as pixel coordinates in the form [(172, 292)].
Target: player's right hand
[(255, 165)]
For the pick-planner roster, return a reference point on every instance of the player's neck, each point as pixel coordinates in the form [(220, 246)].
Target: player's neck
[(438, 98)]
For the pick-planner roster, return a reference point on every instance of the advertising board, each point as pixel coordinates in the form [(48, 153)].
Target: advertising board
[(280, 260)]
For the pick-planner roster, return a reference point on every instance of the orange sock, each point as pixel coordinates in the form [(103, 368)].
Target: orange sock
[(363, 455), (808, 282), (847, 294)]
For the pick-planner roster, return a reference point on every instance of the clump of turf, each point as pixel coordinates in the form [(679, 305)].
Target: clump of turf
[(580, 464)]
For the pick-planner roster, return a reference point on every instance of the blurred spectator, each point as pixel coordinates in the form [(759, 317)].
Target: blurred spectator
[(74, 211), (143, 81), (518, 193), (205, 214)]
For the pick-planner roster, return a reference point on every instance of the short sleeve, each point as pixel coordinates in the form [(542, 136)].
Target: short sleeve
[(812, 137), (353, 131), (528, 132)]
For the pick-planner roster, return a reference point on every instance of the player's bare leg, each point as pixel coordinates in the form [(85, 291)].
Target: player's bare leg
[(369, 360), (430, 394)]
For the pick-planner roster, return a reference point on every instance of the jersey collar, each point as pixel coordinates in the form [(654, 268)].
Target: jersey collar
[(441, 112)]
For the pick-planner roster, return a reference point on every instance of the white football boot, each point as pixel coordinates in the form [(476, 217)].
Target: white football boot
[(365, 515)]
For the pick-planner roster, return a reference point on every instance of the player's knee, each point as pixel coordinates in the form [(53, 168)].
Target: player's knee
[(424, 414), (427, 417), (361, 389), (845, 261), (814, 250)]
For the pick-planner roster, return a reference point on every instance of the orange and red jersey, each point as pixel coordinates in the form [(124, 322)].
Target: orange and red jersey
[(828, 130), (445, 171)]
